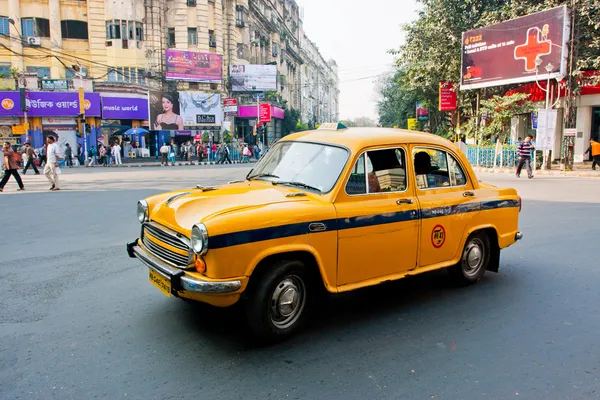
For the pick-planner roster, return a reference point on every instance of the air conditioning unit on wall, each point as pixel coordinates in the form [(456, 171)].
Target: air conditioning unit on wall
[(32, 41)]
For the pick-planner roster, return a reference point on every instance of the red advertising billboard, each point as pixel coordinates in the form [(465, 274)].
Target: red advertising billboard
[(230, 106), (525, 49), (447, 100), (193, 66), (265, 113)]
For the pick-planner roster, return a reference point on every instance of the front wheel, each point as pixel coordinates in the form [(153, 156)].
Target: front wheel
[(279, 302), (474, 261)]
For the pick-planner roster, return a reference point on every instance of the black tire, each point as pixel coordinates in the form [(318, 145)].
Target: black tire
[(279, 301), (474, 260)]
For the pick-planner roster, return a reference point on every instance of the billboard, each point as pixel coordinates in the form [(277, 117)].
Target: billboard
[(253, 78), (264, 113), (422, 112), (516, 51), (230, 106), (447, 100), (121, 107), (198, 108), (164, 111), (49, 104), (192, 66)]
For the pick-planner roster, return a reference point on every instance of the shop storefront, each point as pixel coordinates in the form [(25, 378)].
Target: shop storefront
[(124, 116), (246, 120), (50, 112), (6, 130), (588, 112)]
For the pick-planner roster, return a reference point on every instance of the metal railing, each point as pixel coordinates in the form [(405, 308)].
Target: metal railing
[(487, 157)]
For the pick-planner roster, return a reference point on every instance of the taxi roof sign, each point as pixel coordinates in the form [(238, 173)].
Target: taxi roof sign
[(333, 126)]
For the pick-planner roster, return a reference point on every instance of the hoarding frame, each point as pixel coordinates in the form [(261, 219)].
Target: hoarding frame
[(529, 78)]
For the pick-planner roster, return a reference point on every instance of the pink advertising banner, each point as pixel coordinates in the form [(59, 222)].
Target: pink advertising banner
[(252, 112), (193, 66)]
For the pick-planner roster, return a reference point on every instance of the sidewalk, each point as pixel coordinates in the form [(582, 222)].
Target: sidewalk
[(553, 172), (151, 162)]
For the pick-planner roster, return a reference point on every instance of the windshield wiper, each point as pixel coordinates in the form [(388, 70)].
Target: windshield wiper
[(262, 176), (300, 184)]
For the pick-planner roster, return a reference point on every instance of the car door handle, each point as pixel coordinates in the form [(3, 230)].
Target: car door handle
[(468, 194), (404, 201)]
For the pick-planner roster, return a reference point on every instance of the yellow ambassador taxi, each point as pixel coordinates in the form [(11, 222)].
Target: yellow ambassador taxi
[(335, 209)]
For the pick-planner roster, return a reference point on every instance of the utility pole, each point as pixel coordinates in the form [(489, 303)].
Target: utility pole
[(24, 109)]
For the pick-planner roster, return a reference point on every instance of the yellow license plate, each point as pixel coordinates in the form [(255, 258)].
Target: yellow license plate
[(163, 284)]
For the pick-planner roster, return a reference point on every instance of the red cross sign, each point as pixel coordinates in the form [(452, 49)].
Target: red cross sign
[(532, 49)]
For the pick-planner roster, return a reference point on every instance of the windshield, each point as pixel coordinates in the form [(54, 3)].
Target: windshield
[(314, 165)]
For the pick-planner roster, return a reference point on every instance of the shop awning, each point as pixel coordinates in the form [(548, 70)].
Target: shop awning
[(588, 87)]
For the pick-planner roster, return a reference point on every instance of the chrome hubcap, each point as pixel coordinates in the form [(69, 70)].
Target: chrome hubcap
[(287, 302), (473, 257)]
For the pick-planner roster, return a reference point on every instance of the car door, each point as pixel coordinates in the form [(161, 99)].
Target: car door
[(447, 200), (377, 218)]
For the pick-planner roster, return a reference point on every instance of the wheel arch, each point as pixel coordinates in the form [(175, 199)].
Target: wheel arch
[(306, 254), (492, 233)]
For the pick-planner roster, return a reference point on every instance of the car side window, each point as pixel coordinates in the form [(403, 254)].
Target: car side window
[(357, 182), (431, 168), (457, 175), (385, 172)]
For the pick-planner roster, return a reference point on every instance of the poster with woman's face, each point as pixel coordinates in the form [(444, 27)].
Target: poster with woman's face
[(164, 111)]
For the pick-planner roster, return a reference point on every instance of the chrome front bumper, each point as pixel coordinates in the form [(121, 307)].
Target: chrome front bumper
[(179, 280), (518, 236)]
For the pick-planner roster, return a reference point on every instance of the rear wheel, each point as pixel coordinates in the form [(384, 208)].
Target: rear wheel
[(474, 261), (279, 301)]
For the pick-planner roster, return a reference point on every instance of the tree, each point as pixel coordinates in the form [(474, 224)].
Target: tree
[(500, 110), (397, 102), (291, 117), (432, 49)]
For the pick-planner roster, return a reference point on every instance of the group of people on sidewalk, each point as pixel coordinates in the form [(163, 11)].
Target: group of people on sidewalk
[(221, 153), (51, 168), (105, 156)]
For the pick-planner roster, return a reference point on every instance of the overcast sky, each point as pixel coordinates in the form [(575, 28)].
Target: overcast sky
[(357, 35)]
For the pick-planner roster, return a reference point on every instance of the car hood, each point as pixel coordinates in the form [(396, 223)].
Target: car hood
[(184, 208)]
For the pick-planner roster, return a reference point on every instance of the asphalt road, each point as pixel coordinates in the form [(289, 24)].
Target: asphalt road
[(79, 319)]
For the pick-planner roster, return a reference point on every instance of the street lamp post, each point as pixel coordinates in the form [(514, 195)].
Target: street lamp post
[(538, 61), (13, 23), (79, 73)]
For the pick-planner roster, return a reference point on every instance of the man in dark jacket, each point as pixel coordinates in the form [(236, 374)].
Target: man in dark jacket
[(11, 167), (69, 156), (30, 158)]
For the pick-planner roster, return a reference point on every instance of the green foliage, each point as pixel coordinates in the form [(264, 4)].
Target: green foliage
[(301, 127), (205, 137), (397, 102), (227, 138), (500, 110), (272, 96), (291, 118)]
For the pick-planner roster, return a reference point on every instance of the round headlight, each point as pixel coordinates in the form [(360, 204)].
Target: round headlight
[(142, 211), (199, 239)]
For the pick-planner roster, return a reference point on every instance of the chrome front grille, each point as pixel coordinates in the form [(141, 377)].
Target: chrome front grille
[(168, 237)]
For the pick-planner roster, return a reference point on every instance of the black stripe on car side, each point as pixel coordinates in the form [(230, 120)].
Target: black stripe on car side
[(283, 231)]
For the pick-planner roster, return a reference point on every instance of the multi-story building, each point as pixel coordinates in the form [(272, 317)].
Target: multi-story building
[(123, 54), (319, 85)]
